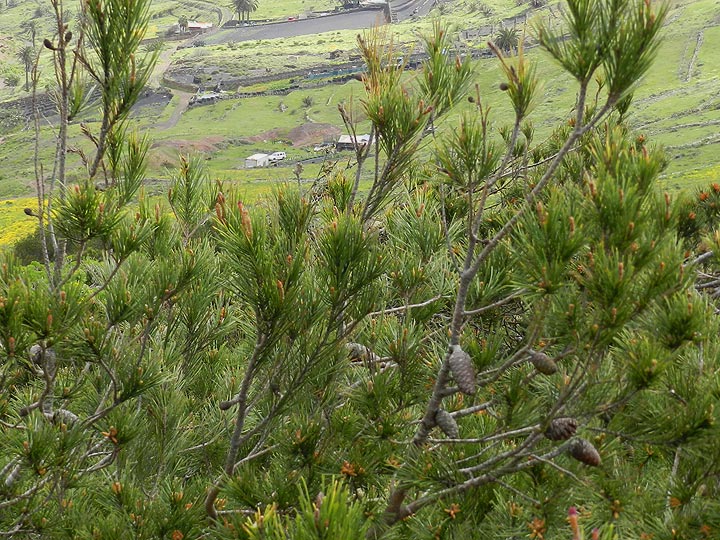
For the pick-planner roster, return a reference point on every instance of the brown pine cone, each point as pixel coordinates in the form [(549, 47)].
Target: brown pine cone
[(561, 429), (447, 424), (585, 452), (543, 363), (462, 370)]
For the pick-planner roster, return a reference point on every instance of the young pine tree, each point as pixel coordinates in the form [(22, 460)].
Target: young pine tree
[(494, 331)]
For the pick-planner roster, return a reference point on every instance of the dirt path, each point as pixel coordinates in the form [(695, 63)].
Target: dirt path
[(181, 107), (161, 66), (227, 15), (163, 63), (156, 81)]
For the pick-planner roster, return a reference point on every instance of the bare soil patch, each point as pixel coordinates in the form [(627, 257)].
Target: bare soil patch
[(304, 135), (206, 145)]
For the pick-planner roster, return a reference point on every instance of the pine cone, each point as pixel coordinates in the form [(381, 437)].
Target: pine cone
[(462, 370), (561, 429), (543, 363), (447, 424), (582, 450)]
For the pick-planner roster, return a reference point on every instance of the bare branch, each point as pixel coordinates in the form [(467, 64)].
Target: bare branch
[(472, 410), (26, 494), (700, 258), (255, 455), (236, 439), (489, 438), (399, 309), (559, 468), (496, 304)]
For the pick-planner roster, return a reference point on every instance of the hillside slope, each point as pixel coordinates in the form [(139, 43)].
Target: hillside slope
[(677, 105)]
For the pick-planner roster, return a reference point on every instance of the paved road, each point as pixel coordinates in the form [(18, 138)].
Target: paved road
[(355, 20), (406, 9)]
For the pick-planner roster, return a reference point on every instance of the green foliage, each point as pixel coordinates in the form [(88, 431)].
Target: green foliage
[(329, 515), (617, 35), (114, 32), (244, 8), (444, 79), (507, 39), (469, 154), (199, 357)]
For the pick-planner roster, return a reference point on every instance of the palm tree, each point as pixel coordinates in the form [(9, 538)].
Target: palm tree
[(507, 39), (26, 55), (244, 8), (183, 23), (30, 27)]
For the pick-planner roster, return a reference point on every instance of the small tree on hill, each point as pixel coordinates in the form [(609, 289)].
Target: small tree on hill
[(507, 39), (183, 23), (244, 8), (30, 27), (27, 56)]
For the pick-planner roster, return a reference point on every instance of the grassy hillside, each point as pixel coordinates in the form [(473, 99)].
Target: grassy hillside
[(676, 105)]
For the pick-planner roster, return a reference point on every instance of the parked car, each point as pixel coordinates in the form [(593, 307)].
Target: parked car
[(277, 156)]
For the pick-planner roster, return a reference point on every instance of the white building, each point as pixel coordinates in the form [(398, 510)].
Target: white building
[(345, 142), (197, 26), (257, 160)]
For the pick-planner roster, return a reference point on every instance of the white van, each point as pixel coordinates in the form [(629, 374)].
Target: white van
[(277, 156)]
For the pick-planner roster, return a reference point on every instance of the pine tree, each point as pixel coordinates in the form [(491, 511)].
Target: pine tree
[(494, 331)]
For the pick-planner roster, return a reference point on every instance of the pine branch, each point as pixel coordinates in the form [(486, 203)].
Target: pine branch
[(503, 456), (108, 280), (256, 454), (578, 132), (700, 258), (26, 494), (518, 357), (399, 309), (563, 470), (446, 230), (236, 438), (473, 410), (671, 480), (489, 438), (495, 304), (485, 479), (479, 454), (48, 374), (105, 462), (11, 472), (361, 153)]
